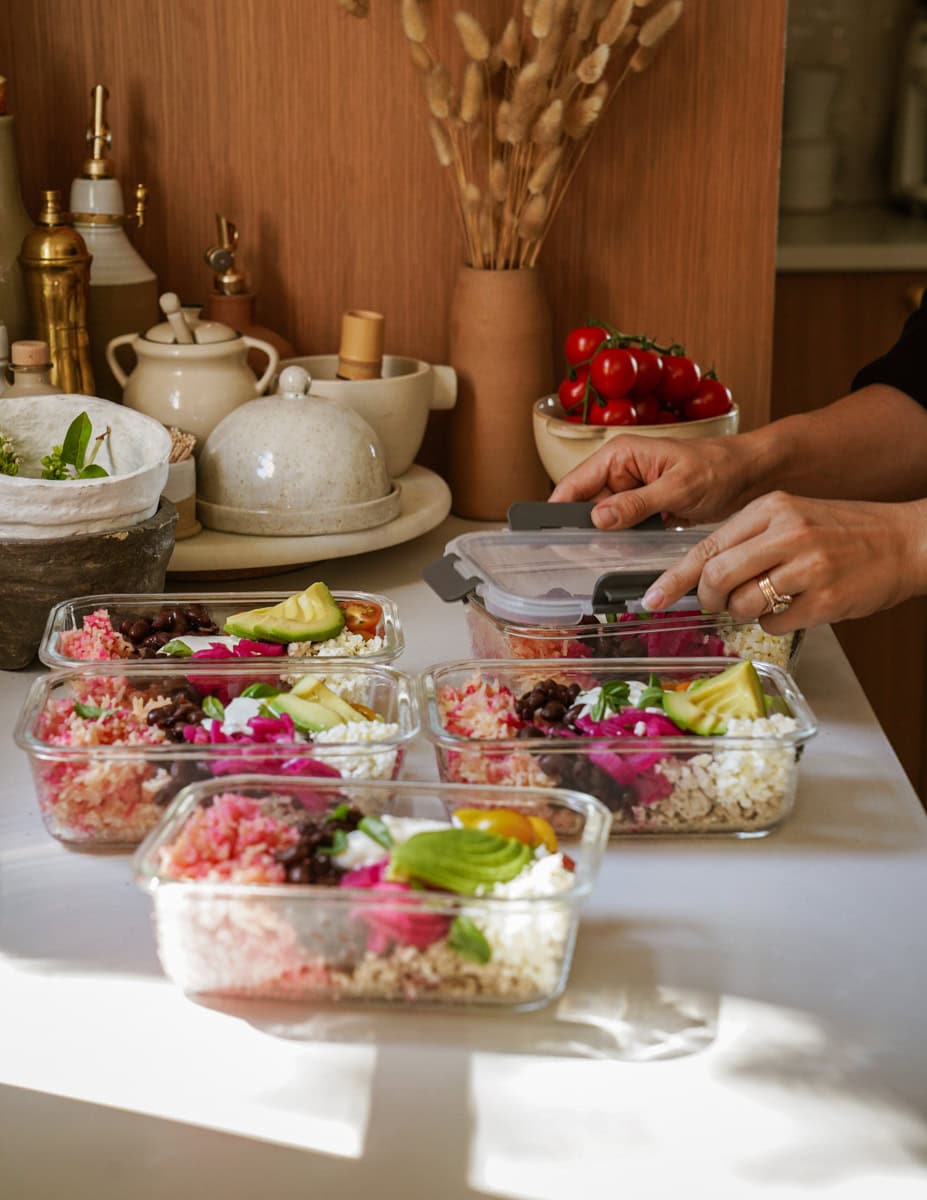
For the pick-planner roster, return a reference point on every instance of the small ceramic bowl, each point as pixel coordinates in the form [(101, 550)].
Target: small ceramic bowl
[(563, 445), (396, 406), (135, 456)]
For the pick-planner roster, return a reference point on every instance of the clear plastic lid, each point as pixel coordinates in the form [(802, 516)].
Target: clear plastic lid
[(556, 577)]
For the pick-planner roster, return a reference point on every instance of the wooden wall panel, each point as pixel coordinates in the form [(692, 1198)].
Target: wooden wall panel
[(305, 126)]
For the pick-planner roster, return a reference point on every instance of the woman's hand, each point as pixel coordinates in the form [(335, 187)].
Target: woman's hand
[(634, 477), (836, 559)]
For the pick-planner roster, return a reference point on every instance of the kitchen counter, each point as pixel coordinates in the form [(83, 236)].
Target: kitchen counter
[(747, 1014), (867, 238)]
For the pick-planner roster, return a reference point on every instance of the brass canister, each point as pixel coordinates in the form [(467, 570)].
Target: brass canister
[(56, 269)]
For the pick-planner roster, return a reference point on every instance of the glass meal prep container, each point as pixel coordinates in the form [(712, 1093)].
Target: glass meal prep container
[(654, 778), (110, 745), (550, 592), (237, 927), (68, 641)]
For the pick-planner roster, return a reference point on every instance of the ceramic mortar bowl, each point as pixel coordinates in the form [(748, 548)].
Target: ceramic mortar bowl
[(135, 455), (562, 445), (38, 573), (293, 465), (395, 406)]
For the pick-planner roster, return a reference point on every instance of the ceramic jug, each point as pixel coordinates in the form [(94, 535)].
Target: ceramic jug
[(191, 386)]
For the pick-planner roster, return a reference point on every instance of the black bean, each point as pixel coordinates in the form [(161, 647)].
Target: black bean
[(553, 710), (160, 621)]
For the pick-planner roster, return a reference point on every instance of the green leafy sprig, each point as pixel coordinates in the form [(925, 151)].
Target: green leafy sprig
[(611, 697), (10, 461), (69, 460)]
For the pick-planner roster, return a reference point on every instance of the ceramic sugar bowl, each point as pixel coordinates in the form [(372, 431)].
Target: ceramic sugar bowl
[(294, 464), (191, 385)]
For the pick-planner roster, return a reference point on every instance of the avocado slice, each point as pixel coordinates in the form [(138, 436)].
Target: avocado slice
[(736, 692), (310, 616), (309, 688), (681, 708), (460, 860), (307, 715)]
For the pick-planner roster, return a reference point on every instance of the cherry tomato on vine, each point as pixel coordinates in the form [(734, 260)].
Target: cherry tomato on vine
[(612, 372), (680, 379), (361, 616), (649, 372), (712, 399), (619, 411), (572, 391), (583, 342), (647, 408)]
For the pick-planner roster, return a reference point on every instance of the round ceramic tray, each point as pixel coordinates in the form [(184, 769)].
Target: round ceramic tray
[(426, 501)]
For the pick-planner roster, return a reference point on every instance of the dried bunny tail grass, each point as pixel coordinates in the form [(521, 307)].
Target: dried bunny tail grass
[(472, 35), (420, 56), (528, 8), (627, 36), (660, 24), (503, 120), (549, 125), (471, 96), (642, 58), (470, 197), (441, 142), (533, 216), (584, 112), (413, 21), (486, 231), (527, 96), (614, 22), (592, 67), (544, 172), (356, 8), (550, 48), (440, 92), (585, 19), (542, 19), (641, 3), (510, 45), (499, 179)]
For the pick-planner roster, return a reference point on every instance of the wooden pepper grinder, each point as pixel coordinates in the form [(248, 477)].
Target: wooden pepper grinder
[(360, 355), (230, 301)]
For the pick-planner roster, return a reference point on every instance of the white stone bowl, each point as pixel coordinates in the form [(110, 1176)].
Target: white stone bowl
[(396, 406), (135, 455), (562, 445)]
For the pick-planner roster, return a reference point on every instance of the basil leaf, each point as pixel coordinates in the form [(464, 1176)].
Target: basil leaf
[(89, 712), (214, 708), (611, 696), (177, 648), (260, 691), (93, 471), (338, 846), (468, 940), (75, 440), (339, 812), (377, 830), (652, 695)]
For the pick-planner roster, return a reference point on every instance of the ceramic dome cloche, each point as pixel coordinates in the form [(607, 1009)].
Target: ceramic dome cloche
[(294, 464)]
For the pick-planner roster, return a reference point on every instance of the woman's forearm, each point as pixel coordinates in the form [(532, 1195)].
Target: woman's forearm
[(870, 445)]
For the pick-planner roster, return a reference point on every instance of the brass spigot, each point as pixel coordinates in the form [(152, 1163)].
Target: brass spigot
[(230, 280), (141, 203)]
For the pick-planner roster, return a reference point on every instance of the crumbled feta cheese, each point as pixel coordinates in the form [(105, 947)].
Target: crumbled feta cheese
[(364, 764), (345, 645)]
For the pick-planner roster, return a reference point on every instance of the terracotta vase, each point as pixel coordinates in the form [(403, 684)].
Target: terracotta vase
[(501, 348)]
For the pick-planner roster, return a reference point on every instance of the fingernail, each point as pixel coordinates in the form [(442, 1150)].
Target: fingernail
[(602, 518), (653, 599)]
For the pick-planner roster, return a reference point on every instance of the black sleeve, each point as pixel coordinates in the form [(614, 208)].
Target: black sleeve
[(905, 366)]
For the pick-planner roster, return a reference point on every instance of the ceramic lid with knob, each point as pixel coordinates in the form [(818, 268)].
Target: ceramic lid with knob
[(294, 465)]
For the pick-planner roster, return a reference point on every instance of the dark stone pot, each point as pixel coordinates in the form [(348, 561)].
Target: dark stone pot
[(36, 574)]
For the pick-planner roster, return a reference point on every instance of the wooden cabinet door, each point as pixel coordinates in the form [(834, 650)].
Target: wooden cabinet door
[(827, 326)]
